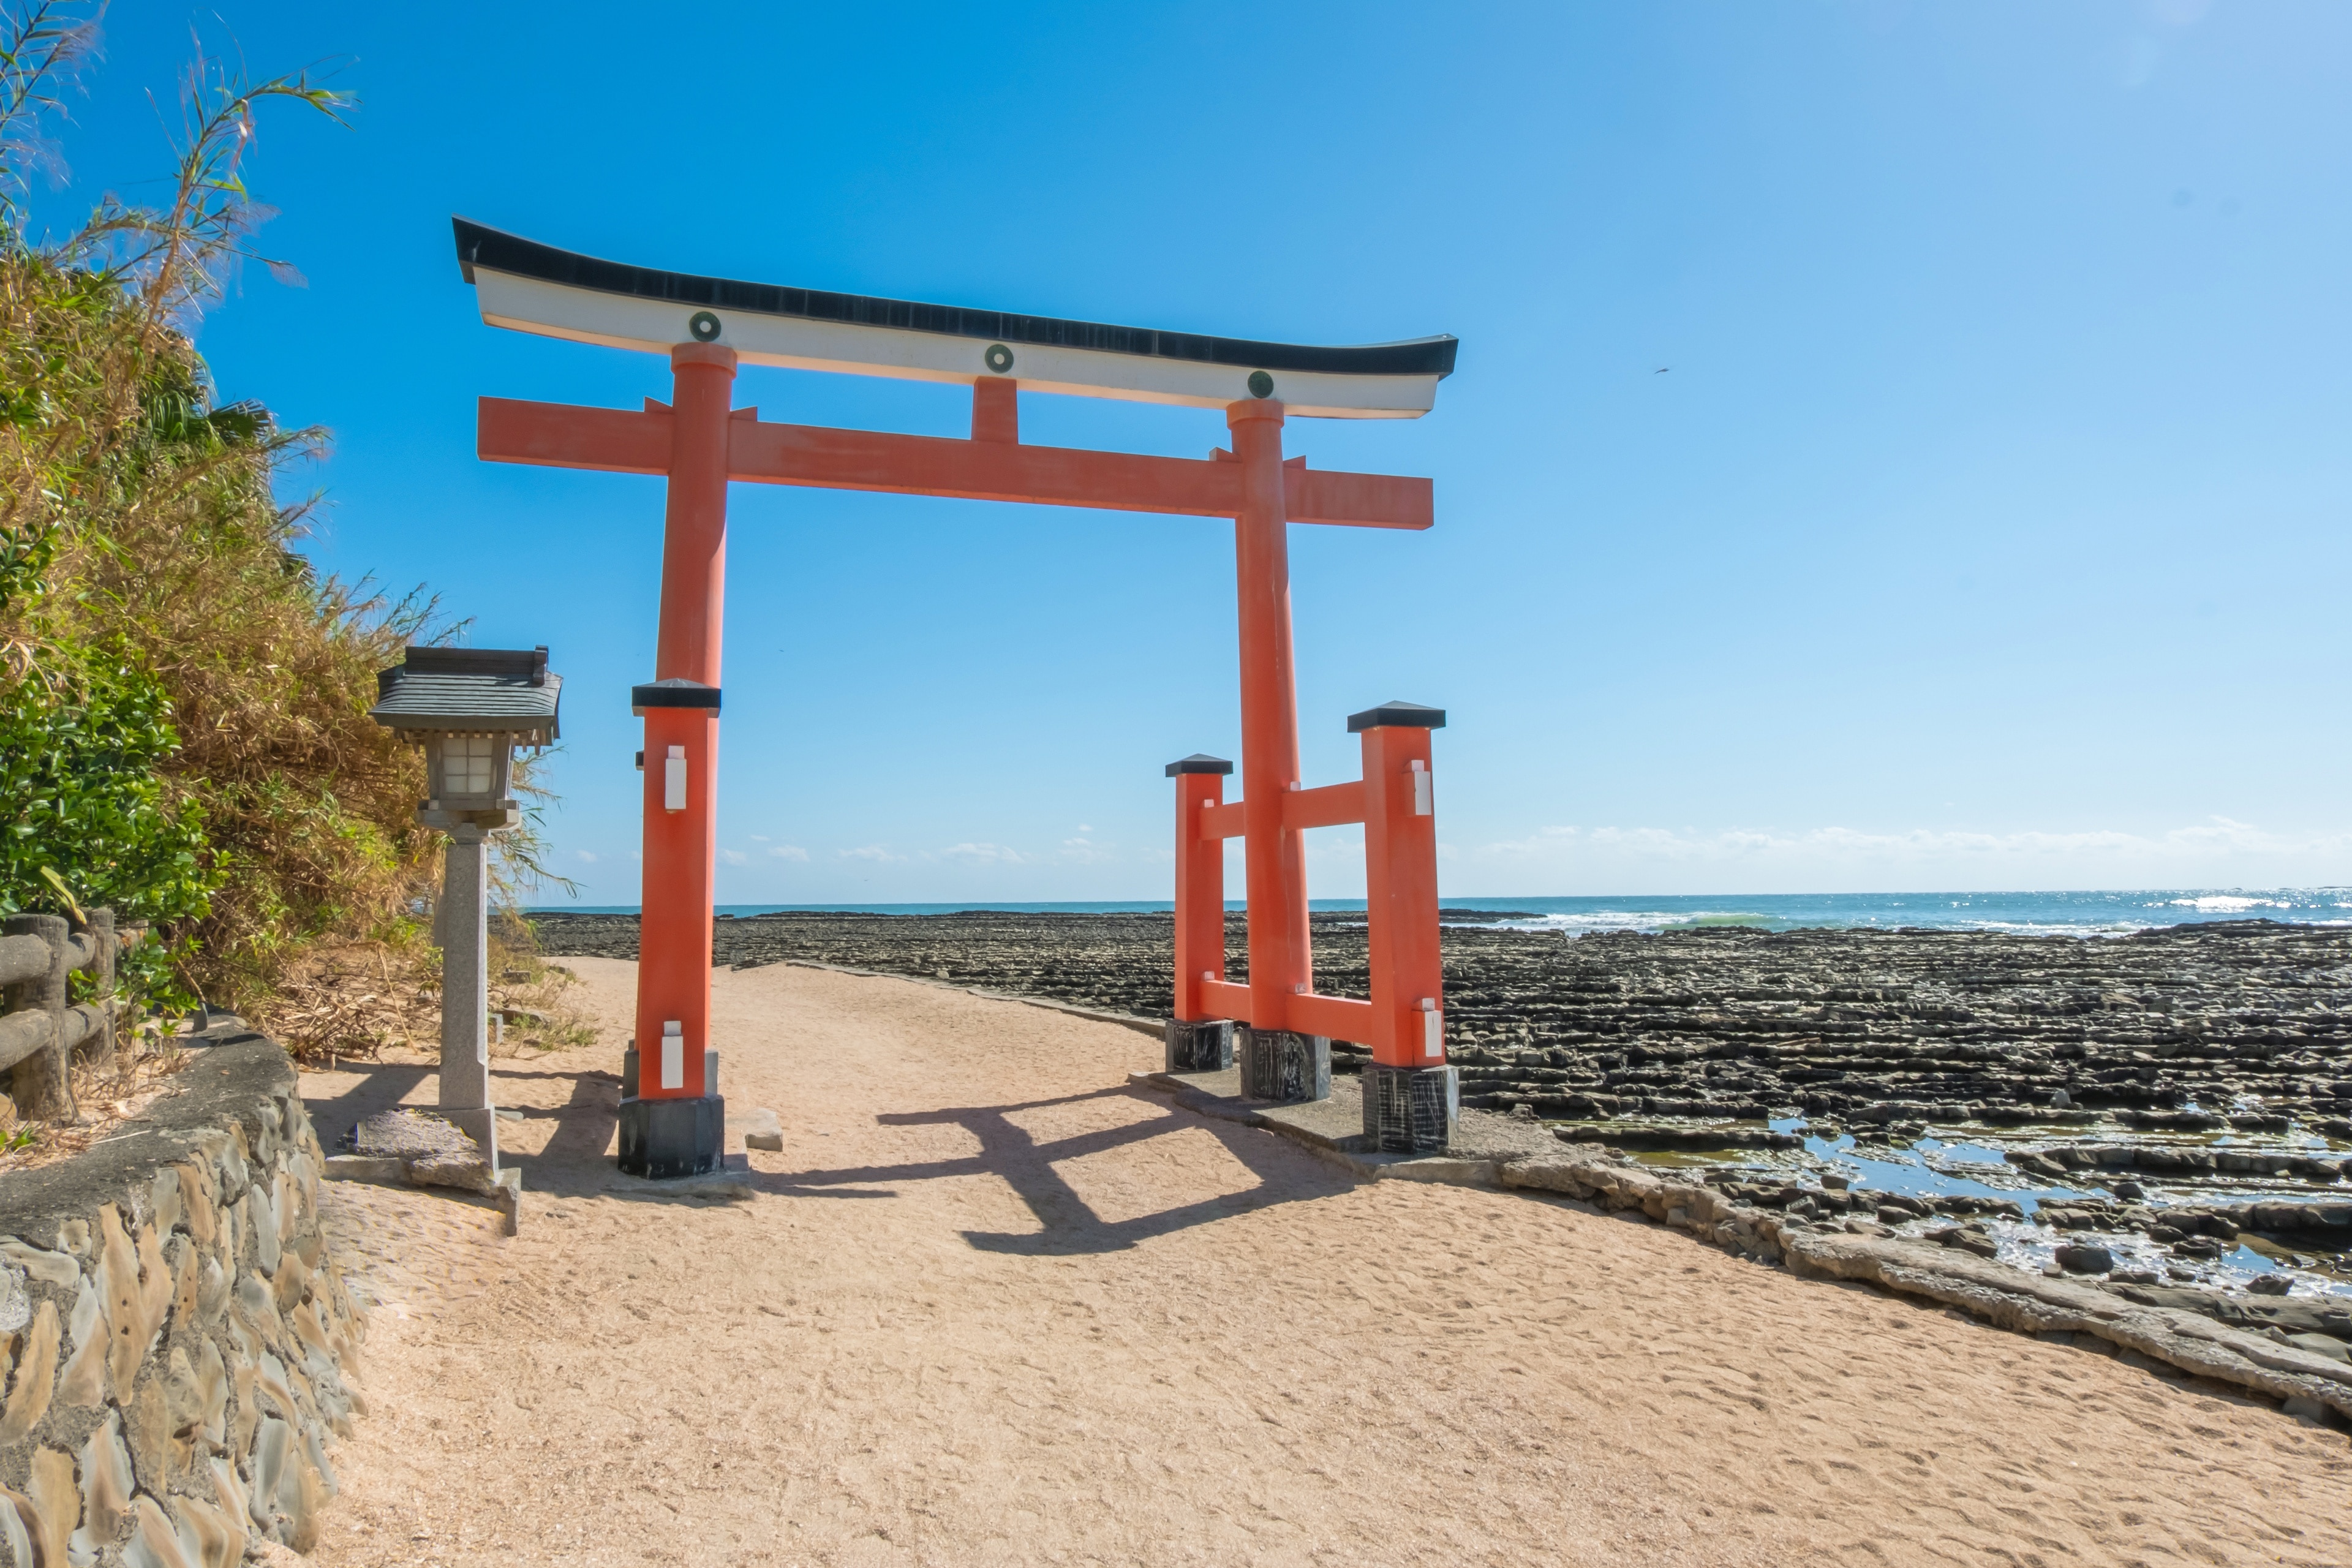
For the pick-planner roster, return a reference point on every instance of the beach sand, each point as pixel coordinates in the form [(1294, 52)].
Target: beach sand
[(992, 1306)]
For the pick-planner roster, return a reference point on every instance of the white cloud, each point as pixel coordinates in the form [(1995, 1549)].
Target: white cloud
[(1085, 828), (1084, 851), (759, 838), (788, 851), (735, 856), (586, 856), (870, 852), (982, 855)]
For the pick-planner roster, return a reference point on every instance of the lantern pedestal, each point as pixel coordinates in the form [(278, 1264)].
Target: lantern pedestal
[(466, 990), (1284, 1065), (1410, 1110)]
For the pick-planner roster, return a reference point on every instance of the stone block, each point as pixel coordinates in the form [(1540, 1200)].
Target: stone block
[(29, 1389), (662, 1140), (1282, 1065), (212, 1536), (196, 1205), (763, 1129), (1204, 1046), (58, 1269), (293, 1279), (148, 1431), (84, 1382), (105, 1488), (57, 1503), (1410, 1110), (18, 1519)]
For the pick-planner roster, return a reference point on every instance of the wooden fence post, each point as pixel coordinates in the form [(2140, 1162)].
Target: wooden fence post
[(40, 1084), (97, 1048)]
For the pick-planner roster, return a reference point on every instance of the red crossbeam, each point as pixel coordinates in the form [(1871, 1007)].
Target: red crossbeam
[(617, 441), (1225, 821)]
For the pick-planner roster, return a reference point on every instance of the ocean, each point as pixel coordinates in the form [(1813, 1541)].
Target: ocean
[(2083, 914)]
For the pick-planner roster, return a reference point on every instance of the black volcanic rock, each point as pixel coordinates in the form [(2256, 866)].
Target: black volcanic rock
[(2238, 1025)]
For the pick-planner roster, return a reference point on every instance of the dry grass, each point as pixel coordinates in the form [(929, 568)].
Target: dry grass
[(111, 1101), (359, 1000)]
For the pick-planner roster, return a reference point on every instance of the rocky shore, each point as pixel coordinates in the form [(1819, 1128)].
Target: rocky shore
[(2194, 1029), (2170, 1111)]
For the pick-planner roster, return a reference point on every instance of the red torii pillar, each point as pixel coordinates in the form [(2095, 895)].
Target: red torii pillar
[(673, 1118)]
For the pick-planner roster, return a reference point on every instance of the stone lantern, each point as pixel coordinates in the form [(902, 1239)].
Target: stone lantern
[(469, 708)]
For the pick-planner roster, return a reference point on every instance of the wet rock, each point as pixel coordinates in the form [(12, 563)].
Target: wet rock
[(1968, 1241), (2084, 1257), (2270, 1284)]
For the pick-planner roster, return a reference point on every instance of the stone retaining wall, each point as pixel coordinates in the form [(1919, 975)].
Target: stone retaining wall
[(178, 1348)]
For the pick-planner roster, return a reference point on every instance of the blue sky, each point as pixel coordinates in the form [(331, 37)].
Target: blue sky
[(1985, 530)]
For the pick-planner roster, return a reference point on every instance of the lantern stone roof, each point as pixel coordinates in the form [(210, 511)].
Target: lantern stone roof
[(480, 689)]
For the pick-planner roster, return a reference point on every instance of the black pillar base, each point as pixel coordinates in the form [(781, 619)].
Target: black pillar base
[(1286, 1068), (1206, 1047), (1410, 1110), (664, 1139)]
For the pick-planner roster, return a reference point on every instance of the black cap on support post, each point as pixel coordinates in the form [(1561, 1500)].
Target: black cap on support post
[(1200, 762), (672, 691), (1397, 716)]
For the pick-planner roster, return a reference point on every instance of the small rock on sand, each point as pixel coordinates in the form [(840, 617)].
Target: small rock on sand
[(763, 1129)]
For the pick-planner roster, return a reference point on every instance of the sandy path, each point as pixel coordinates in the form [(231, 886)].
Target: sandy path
[(989, 1306)]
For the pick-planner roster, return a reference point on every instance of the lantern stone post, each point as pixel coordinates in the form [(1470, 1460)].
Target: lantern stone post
[(469, 708)]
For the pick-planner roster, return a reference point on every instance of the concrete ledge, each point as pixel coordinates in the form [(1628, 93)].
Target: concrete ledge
[(1526, 1157)]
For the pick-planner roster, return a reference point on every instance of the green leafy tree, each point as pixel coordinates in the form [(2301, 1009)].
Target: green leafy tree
[(89, 819)]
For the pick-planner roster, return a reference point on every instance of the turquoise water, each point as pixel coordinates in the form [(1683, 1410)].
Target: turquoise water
[(2039, 914)]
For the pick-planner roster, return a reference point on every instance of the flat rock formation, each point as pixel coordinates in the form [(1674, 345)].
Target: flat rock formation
[(2240, 1025)]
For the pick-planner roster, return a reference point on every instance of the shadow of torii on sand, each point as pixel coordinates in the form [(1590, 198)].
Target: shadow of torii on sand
[(1068, 1226)]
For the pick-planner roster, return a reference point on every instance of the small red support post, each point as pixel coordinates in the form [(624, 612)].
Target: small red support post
[(1401, 884), (1198, 1040), (1412, 1097)]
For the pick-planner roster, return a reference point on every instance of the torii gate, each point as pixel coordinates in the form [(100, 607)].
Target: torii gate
[(672, 1118)]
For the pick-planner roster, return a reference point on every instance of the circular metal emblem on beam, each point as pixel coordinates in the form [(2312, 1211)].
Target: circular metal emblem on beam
[(999, 359), (704, 326), (1261, 384)]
